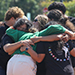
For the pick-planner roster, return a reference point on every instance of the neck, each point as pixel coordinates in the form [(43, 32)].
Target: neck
[(8, 23)]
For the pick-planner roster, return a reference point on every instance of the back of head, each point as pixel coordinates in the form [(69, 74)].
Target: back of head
[(57, 16), (54, 15), (43, 20), (13, 12), (57, 5)]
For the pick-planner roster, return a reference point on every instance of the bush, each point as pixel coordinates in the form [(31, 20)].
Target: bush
[(70, 8)]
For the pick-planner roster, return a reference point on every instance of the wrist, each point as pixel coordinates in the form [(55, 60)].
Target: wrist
[(40, 38), (21, 42), (59, 37), (26, 49), (29, 50)]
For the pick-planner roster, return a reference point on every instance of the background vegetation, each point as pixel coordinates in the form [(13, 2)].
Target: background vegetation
[(34, 6)]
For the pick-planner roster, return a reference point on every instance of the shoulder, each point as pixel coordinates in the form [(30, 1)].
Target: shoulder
[(5, 36), (72, 19), (6, 39)]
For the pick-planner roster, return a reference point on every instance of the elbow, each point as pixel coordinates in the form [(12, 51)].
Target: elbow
[(5, 49), (73, 55), (9, 53), (39, 61)]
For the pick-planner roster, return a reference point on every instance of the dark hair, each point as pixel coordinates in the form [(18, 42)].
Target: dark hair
[(57, 16), (58, 45), (51, 23), (57, 5), (21, 22)]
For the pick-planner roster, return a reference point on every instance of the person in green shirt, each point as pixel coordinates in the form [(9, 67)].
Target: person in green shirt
[(20, 35)]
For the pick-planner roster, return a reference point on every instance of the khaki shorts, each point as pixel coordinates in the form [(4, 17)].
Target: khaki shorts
[(21, 65)]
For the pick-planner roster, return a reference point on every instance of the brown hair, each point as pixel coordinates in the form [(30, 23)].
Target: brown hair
[(13, 12), (70, 25)]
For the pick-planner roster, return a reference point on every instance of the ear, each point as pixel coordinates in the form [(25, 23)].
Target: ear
[(12, 18)]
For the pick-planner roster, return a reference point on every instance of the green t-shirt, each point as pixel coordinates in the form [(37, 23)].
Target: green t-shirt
[(20, 35)]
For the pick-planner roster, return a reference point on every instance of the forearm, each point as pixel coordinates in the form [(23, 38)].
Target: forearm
[(12, 47), (50, 38), (35, 56), (70, 33), (72, 52), (10, 53)]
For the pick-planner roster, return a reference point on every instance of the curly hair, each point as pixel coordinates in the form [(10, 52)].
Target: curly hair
[(13, 12), (57, 5), (42, 20)]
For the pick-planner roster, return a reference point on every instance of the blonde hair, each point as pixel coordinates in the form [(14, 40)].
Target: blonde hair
[(42, 20)]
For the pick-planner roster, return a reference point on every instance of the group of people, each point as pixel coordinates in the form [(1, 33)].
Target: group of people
[(41, 47)]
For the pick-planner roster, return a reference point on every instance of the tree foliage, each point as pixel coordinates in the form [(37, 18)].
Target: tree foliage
[(33, 6), (70, 8), (3, 7)]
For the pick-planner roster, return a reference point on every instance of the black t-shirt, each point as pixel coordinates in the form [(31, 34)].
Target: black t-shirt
[(4, 57), (55, 61), (2, 30), (41, 69)]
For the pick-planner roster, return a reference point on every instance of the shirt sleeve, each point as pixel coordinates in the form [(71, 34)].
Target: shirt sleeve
[(52, 29), (40, 48), (15, 34), (71, 45)]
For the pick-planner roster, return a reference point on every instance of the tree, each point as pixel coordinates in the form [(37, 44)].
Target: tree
[(3, 8), (31, 6)]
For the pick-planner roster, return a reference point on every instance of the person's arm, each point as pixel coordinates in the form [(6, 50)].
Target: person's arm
[(70, 33), (14, 33), (12, 47), (72, 52), (52, 29), (55, 29), (71, 48), (49, 38), (34, 55)]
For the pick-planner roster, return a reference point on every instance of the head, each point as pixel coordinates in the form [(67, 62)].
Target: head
[(56, 15), (57, 5), (40, 21), (23, 25), (12, 14)]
